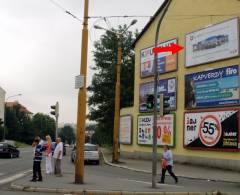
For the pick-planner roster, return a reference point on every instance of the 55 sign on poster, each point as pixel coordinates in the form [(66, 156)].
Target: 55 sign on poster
[(212, 130), (165, 130)]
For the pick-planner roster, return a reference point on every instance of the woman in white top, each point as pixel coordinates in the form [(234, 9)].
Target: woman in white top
[(48, 154), (167, 164)]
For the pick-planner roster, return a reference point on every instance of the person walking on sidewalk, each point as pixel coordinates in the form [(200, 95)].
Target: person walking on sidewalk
[(167, 164), (57, 155), (37, 174), (48, 154)]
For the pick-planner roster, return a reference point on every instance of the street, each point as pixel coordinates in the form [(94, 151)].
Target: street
[(101, 177)]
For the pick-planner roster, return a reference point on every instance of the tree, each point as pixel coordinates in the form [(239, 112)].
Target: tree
[(19, 126), (102, 88), (43, 125), (67, 134)]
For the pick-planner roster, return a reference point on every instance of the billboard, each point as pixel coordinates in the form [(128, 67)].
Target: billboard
[(165, 130), (125, 130), (165, 86), (165, 61), (212, 130), (216, 42), (217, 87)]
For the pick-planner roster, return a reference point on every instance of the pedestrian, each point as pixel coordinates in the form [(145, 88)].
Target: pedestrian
[(48, 154), (57, 155), (167, 164), (37, 174)]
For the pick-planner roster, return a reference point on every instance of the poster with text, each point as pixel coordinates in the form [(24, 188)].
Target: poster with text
[(166, 62), (217, 87), (216, 42), (125, 131), (165, 130), (212, 130), (165, 86)]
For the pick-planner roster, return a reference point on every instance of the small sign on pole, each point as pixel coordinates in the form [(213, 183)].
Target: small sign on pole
[(79, 82)]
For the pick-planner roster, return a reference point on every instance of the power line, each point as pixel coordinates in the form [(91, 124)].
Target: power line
[(66, 11)]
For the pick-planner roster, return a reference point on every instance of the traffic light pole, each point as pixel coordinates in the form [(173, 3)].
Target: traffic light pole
[(81, 113), (156, 80)]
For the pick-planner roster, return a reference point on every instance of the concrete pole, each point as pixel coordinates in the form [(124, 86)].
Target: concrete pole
[(82, 95), (115, 157)]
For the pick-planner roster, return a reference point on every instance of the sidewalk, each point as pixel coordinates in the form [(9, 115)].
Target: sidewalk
[(181, 170)]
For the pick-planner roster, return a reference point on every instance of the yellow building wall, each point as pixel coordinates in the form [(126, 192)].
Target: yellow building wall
[(183, 16)]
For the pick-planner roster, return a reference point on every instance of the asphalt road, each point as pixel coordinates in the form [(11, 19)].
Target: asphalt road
[(11, 167)]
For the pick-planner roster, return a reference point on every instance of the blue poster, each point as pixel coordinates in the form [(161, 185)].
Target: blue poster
[(165, 86), (213, 88)]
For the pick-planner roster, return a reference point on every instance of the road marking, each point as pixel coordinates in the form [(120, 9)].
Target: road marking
[(14, 177), (149, 183)]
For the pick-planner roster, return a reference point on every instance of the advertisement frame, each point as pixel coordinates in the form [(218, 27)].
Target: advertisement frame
[(131, 134), (176, 91), (212, 61), (225, 106), (159, 146), (211, 149), (149, 76)]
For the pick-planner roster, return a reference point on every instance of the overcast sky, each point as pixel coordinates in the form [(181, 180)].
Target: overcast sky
[(40, 47)]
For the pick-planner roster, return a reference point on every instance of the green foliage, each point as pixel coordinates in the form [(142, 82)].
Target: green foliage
[(19, 126), (43, 125), (102, 89), (67, 134)]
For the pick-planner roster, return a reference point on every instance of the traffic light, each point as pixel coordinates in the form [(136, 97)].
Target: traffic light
[(164, 105), (1, 122), (55, 109), (150, 102)]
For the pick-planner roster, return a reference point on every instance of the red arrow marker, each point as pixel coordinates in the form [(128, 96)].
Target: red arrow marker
[(174, 48)]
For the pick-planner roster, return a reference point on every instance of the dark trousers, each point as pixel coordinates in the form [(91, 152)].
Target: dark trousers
[(37, 170), (169, 169)]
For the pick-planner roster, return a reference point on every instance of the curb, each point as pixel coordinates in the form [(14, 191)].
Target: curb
[(149, 172), (101, 192)]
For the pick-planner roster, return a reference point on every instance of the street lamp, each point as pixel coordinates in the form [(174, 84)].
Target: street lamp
[(115, 157), (5, 106)]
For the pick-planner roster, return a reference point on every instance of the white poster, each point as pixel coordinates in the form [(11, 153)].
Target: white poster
[(217, 129), (165, 130), (125, 132), (216, 42)]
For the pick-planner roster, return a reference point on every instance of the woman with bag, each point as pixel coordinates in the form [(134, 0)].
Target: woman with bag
[(48, 154), (167, 164)]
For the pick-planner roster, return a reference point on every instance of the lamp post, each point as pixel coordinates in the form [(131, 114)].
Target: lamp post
[(156, 80), (5, 106), (115, 157)]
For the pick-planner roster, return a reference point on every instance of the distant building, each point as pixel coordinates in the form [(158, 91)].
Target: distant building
[(22, 108), (2, 100)]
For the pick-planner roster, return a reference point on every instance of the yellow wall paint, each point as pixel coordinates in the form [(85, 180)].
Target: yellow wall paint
[(183, 16)]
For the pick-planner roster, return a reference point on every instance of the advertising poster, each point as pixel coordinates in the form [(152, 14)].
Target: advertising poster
[(165, 130), (125, 131), (216, 42), (165, 86), (166, 61), (212, 130), (218, 87)]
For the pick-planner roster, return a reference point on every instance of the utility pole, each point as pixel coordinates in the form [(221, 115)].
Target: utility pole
[(81, 114), (115, 157), (156, 80)]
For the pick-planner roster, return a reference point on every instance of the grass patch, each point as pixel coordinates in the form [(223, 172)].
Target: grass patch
[(20, 144)]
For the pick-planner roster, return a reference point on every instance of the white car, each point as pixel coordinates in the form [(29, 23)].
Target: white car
[(91, 153)]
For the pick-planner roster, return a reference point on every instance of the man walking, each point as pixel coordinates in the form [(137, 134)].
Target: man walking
[(37, 174), (57, 155)]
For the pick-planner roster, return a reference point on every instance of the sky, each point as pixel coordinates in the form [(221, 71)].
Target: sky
[(40, 47)]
